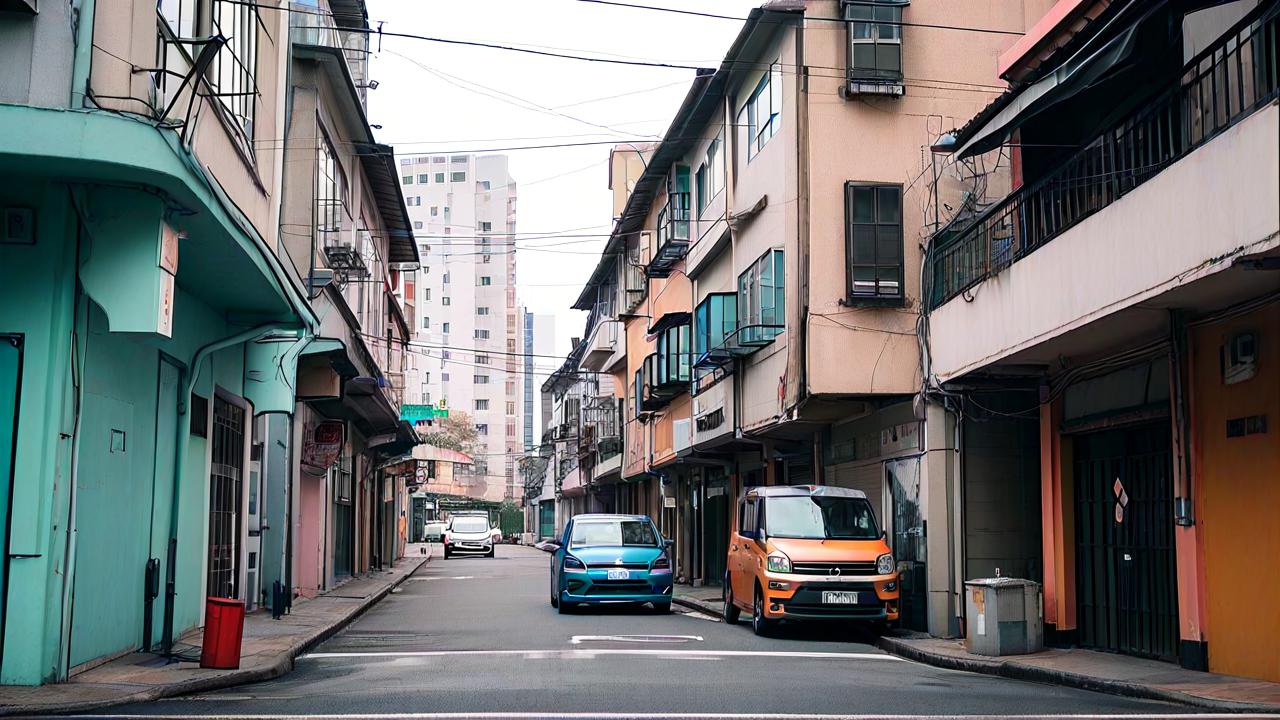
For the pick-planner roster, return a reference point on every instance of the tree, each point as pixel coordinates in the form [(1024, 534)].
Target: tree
[(457, 432)]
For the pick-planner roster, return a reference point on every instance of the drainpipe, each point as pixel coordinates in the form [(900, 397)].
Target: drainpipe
[(182, 436), (82, 60)]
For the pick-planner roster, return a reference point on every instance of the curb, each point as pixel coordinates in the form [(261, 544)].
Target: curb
[(1019, 671), (281, 666), (696, 604)]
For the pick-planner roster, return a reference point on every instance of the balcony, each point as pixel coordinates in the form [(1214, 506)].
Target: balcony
[(313, 27), (1226, 83), (665, 378), (605, 348), (673, 235)]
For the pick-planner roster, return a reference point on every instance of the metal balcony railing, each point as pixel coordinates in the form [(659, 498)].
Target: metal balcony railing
[(1227, 82)]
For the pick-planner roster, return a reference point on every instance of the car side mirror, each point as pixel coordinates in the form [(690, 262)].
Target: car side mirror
[(548, 546), (749, 534), (668, 543)]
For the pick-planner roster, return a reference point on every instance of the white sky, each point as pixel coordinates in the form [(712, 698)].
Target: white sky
[(559, 189)]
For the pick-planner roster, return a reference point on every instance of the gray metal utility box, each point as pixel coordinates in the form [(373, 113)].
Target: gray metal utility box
[(1005, 616)]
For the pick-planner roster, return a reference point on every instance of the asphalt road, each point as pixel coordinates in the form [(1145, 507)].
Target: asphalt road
[(478, 635)]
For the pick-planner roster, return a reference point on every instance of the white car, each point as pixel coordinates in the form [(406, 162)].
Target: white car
[(468, 535)]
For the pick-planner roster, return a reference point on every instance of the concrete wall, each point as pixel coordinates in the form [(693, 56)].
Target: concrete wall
[(1168, 232), (36, 53)]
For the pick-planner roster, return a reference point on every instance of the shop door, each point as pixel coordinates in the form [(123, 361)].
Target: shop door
[(908, 534), (1126, 587), (344, 518), (225, 488), (10, 381), (715, 527)]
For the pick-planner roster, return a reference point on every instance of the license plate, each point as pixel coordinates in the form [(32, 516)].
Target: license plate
[(839, 597), (621, 574)]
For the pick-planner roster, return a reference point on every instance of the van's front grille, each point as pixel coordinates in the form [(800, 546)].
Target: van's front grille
[(834, 568)]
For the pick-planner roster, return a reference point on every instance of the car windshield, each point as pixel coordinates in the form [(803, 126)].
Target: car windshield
[(613, 533), (820, 518), (470, 524)]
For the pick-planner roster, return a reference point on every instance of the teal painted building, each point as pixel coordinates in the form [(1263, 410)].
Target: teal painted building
[(146, 319)]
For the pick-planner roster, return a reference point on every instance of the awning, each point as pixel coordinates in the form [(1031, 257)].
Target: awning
[(335, 352), (1093, 63), (668, 321), (364, 404)]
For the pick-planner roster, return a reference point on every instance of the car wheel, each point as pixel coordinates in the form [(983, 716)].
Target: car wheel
[(555, 598), (760, 625), (731, 613), (447, 554), (662, 608)]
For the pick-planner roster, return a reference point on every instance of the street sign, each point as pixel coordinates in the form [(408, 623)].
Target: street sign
[(421, 413)]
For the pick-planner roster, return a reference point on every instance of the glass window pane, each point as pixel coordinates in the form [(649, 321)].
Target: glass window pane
[(864, 244), (860, 30), (888, 205), (888, 248), (864, 55), (864, 281), (857, 12), (863, 207), (888, 281), (889, 57)]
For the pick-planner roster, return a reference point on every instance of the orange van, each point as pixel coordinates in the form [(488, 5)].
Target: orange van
[(809, 552)]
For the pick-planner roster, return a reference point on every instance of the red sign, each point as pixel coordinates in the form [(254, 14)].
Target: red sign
[(321, 444)]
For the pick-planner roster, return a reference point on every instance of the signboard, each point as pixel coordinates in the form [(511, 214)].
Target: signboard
[(321, 444), (422, 413)]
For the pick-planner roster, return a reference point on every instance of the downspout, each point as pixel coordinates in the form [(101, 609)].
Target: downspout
[(82, 60), (182, 435), (802, 221)]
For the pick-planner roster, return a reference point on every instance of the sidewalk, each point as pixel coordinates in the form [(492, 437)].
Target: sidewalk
[(268, 651), (1098, 671), (707, 599)]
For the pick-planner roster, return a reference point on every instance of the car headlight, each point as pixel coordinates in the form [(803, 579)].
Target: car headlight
[(779, 563), (884, 564), (573, 563)]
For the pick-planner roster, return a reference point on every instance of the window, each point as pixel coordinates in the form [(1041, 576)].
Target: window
[(417, 200), (485, 185), (761, 300), (511, 408), (444, 377), (426, 378), (439, 177), (482, 359), (422, 179), (435, 210), (874, 242), (481, 379), (673, 355), (417, 224), (747, 518), (437, 160), (458, 176), (445, 279), (482, 429), (763, 110), (407, 179), (486, 227), (331, 191), (446, 300), (710, 178), (482, 404), (482, 335), (482, 311), (875, 41), (485, 280), (426, 323), (714, 321), (426, 294), (233, 72), (457, 159)]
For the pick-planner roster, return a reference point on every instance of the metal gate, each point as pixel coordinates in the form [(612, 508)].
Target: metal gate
[(1125, 560), (224, 499), (903, 478)]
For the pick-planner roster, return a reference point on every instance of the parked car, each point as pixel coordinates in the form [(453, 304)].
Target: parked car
[(468, 535), (809, 553), (434, 531), (610, 559)]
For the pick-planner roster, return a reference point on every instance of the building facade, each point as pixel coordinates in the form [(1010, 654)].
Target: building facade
[(156, 311), (468, 330)]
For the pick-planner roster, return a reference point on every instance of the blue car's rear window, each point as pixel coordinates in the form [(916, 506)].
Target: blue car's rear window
[(613, 533)]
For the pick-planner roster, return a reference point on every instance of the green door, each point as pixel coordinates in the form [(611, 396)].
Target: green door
[(10, 377)]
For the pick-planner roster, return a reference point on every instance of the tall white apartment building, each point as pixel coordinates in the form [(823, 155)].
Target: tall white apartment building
[(539, 343), (468, 327)]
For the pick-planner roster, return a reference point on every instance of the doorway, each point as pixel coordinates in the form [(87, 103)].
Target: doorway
[(903, 478), (715, 525), (1126, 589), (225, 496), (10, 384), (343, 518)]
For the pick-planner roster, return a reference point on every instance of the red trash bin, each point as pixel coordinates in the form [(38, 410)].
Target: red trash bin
[(223, 630)]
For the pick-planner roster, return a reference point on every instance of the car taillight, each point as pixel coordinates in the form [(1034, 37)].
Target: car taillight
[(662, 563)]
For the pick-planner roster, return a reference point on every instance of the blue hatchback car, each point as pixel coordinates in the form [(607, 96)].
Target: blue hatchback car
[(610, 559)]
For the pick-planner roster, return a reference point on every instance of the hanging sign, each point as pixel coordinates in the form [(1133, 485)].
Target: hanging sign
[(321, 444), (1122, 500)]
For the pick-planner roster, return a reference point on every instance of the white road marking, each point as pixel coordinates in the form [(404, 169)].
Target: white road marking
[(671, 716), (575, 654), (442, 577), (579, 639)]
